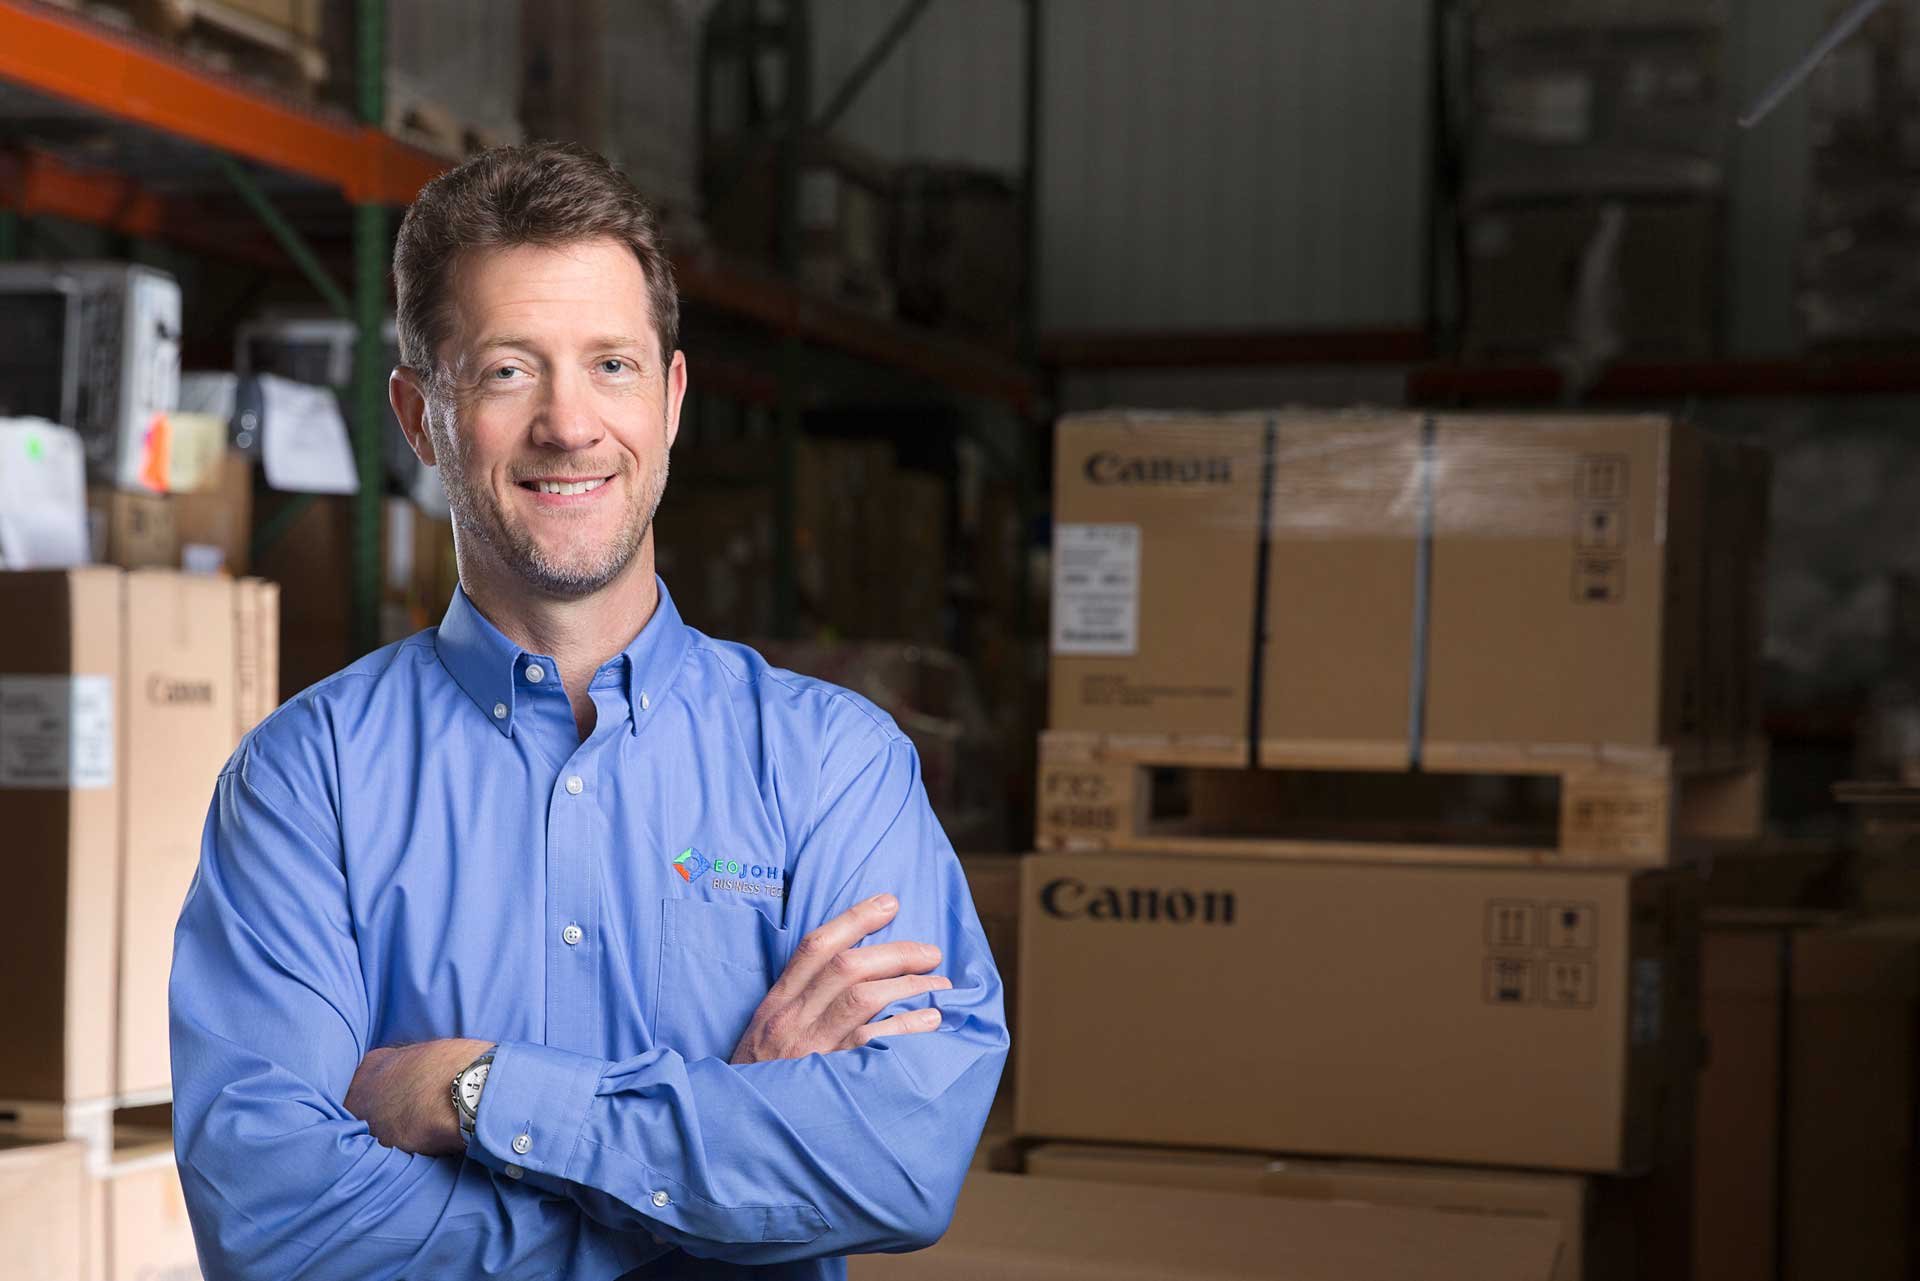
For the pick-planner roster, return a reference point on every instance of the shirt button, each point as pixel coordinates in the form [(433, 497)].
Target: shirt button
[(572, 935), (575, 786), (536, 673), (514, 1172), (660, 1199), (499, 711), (523, 1143), (644, 702)]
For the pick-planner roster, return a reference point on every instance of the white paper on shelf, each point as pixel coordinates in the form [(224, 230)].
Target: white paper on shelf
[(304, 446), (43, 495)]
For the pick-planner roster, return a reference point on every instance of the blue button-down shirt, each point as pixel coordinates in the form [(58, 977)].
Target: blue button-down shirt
[(422, 846)]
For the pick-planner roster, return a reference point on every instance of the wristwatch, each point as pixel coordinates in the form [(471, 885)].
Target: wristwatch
[(467, 1084)]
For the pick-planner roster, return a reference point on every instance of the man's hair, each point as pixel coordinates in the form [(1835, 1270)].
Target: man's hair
[(542, 193)]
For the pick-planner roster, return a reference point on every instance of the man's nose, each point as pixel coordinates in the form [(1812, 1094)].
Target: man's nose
[(568, 418)]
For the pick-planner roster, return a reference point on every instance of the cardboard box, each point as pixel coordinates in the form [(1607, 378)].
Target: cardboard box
[(1478, 1015), (139, 1213), (1565, 591), (178, 718), (1560, 1199), (133, 530), (60, 789), (214, 524), (43, 1200), (1015, 1227), (1483, 589), (1156, 524), (1805, 1136)]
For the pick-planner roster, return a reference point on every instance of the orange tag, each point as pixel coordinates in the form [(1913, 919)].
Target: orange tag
[(157, 448)]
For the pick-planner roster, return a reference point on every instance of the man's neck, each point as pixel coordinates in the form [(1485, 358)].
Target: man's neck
[(578, 634)]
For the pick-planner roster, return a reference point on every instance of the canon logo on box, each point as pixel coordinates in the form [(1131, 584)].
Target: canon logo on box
[(1107, 468), (1071, 899), (163, 690)]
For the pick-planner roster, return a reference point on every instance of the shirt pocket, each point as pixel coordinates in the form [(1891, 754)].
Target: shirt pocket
[(717, 961)]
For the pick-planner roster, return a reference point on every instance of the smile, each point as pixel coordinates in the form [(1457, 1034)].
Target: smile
[(565, 486)]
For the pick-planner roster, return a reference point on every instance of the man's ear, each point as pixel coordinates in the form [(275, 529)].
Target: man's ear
[(676, 394), (408, 396)]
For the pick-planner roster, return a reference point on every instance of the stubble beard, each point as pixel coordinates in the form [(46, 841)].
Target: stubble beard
[(480, 516)]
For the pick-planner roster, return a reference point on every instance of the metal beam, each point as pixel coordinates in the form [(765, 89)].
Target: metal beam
[(286, 235), (870, 62)]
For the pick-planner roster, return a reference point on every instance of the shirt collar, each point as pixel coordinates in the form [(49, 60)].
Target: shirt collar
[(484, 662)]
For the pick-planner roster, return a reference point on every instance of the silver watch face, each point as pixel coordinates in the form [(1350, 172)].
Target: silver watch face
[(470, 1083)]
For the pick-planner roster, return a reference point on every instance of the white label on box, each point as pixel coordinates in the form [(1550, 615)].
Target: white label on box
[(1096, 589), (56, 731)]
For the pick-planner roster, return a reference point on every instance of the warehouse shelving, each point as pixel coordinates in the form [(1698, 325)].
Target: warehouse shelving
[(117, 130)]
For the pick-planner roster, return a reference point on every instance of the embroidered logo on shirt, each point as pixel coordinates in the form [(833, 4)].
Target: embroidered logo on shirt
[(731, 875)]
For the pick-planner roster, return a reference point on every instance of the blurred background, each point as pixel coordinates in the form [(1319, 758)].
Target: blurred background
[(923, 243)]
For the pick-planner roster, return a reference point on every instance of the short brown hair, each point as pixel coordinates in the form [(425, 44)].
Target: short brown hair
[(541, 193)]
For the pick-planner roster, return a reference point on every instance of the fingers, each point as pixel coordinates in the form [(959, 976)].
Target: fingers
[(819, 946), (898, 1025), (856, 1005)]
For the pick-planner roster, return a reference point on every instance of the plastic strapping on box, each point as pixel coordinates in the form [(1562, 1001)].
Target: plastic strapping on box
[(1268, 440), (1422, 584)]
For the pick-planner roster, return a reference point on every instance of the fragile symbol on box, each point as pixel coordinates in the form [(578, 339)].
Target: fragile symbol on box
[(1509, 980), (1601, 528), (1570, 926)]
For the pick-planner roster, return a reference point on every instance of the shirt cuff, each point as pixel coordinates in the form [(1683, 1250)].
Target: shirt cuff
[(533, 1109)]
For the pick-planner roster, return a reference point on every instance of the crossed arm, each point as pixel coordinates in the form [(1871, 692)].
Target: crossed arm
[(307, 1156), (824, 1002)]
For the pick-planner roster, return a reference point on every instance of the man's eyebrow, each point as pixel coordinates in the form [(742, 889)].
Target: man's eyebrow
[(506, 340), (616, 340)]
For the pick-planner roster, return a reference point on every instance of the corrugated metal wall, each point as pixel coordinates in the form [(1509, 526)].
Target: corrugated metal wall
[(1205, 164)]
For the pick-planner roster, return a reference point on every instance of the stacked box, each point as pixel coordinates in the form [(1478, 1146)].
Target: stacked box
[(43, 1208), (120, 701), (1379, 747)]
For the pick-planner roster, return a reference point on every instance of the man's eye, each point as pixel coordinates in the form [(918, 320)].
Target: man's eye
[(504, 373), (613, 365)]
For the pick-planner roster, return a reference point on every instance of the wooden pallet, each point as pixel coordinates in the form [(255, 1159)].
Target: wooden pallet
[(94, 1122), (1474, 803)]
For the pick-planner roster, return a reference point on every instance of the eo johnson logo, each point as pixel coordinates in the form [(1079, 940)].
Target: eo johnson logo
[(1112, 469), (1071, 899), (731, 875)]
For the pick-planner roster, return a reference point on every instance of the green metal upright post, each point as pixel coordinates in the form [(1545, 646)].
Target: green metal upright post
[(792, 361), (369, 352)]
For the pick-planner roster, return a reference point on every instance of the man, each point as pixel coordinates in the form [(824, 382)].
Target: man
[(563, 941)]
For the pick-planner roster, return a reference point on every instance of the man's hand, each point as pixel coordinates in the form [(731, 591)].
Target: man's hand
[(831, 989), (405, 1095)]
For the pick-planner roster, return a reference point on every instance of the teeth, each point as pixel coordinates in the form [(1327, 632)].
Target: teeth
[(568, 487)]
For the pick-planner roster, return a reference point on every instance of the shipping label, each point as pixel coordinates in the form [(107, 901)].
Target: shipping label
[(1096, 589), (56, 732)]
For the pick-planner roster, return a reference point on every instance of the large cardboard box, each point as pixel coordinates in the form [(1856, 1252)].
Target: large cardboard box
[(1805, 1165), (1566, 582), (43, 1200), (1016, 1227), (177, 718), (1156, 557), (139, 1229), (1479, 1015), (60, 787), (1353, 589), (1561, 1199)]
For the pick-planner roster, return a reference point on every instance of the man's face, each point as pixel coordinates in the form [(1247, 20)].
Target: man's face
[(553, 421)]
